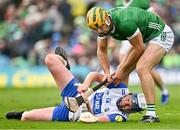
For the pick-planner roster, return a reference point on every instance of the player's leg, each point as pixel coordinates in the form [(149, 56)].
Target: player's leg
[(65, 81), (160, 84), (125, 45), (153, 54), (151, 57), (61, 74), (58, 113), (43, 114)]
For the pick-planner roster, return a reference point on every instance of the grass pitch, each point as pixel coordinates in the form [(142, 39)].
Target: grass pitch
[(29, 98)]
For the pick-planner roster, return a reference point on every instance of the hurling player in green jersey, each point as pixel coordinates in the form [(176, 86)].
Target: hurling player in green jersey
[(149, 36), (146, 5)]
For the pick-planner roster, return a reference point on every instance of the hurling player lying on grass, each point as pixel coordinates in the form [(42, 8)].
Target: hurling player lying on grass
[(108, 104)]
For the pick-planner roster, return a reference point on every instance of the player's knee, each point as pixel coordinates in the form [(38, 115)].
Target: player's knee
[(49, 58), (141, 69)]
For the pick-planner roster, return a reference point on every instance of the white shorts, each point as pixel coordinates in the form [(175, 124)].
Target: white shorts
[(125, 45), (165, 39)]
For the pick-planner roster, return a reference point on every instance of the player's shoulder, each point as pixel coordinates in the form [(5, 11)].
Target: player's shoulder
[(116, 9), (123, 12), (123, 8)]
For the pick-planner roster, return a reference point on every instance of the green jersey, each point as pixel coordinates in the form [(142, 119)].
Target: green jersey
[(143, 4), (127, 22)]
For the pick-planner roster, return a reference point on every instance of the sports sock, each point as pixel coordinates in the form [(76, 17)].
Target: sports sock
[(151, 110), (165, 91)]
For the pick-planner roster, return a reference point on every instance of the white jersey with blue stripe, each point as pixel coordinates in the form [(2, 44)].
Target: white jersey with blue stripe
[(103, 101)]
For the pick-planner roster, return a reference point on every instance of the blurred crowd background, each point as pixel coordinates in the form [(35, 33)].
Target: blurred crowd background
[(30, 29)]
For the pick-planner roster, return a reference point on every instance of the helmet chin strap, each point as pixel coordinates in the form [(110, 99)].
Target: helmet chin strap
[(108, 22)]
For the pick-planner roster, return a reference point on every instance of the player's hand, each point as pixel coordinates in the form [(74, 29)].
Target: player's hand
[(108, 77), (81, 88), (117, 77)]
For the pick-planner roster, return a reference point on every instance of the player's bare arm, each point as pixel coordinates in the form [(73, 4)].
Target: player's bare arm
[(103, 119), (90, 78), (129, 63), (134, 54), (102, 55)]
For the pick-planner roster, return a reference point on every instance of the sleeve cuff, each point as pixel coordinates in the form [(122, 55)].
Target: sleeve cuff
[(135, 34)]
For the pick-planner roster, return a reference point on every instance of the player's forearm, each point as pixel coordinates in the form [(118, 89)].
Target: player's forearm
[(90, 78), (102, 54), (103, 119), (129, 63), (104, 60), (134, 54)]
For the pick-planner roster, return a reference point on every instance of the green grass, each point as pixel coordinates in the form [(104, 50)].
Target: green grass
[(29, 98)]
